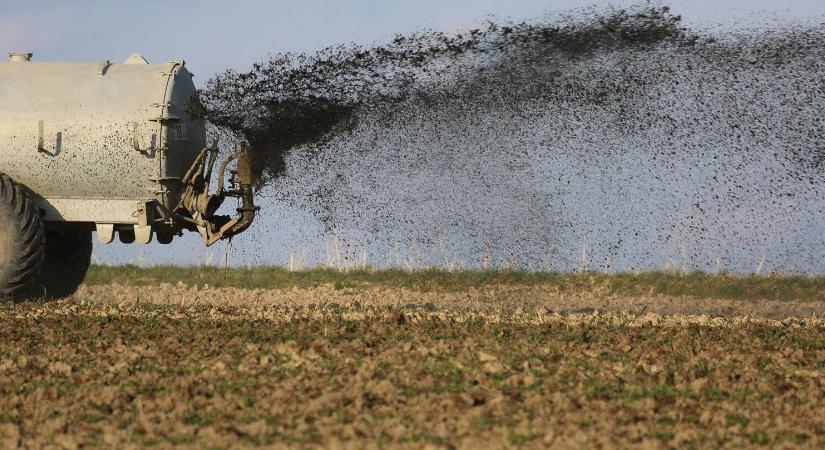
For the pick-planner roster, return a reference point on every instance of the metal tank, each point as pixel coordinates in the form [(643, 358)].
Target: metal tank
[(110, 147)]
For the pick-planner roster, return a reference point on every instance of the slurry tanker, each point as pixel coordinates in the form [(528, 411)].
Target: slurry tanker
[(110, 148)]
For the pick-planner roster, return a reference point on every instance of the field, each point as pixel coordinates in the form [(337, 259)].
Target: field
[(207, 358)]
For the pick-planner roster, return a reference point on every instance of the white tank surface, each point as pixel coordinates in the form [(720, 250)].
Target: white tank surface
[(110, 147), (113, 133)]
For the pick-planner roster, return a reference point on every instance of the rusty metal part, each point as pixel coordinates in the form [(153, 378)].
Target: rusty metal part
[(248, 209), (196, 197), (197, 206), (208, 204)]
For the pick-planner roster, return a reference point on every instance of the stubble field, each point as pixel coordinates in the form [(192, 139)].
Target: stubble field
[(363, 361)]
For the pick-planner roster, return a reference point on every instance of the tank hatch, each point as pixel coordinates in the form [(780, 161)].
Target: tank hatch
[(20, 56), (135, 58)]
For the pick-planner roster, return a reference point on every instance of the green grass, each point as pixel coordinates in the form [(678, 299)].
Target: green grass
[(698, 285)]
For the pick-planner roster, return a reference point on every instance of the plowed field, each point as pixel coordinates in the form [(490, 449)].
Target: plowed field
[(494, 366)]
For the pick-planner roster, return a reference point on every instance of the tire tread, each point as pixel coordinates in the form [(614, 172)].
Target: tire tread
[(29, 233)]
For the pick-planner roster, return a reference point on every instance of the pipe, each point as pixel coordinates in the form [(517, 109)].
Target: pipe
[(248, 208)]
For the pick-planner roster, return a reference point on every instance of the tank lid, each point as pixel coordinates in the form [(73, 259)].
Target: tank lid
[(20, 56), (135, 58)]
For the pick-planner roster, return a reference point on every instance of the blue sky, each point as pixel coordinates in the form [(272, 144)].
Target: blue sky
[(213, 34)]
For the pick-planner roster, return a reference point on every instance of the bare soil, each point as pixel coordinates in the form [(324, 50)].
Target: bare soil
[(504, 298), (498, 366)]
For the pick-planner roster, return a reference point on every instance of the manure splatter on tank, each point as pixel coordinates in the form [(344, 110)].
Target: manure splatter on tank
[(613, 139)]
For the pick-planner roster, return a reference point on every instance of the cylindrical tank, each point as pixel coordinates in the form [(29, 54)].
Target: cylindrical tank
[(98, 143)]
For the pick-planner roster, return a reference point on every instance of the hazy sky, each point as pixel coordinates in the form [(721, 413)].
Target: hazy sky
[(212, 34)]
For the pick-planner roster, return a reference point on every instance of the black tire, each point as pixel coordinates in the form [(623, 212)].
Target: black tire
[(68, 256), (22, 241)]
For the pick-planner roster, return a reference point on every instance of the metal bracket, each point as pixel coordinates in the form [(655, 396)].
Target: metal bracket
[(145, 214), (165, 119), (200, 206), (105, 232), (162, 190), (143, 234), (58, 143)]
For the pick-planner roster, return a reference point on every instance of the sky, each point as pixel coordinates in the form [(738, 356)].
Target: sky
[(216, 34), (213, 35)]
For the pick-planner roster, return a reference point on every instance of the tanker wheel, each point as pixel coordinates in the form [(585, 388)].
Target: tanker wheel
[(22, 241), (68, 256)]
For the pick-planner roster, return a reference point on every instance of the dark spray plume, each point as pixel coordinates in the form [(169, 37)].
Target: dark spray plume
[(304, 100), (612, 140)]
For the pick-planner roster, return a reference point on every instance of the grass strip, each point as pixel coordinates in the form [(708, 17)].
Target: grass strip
[(697, 284)]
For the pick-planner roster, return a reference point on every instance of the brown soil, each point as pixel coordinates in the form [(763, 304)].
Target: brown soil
[(171, 366), (489, 299)]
